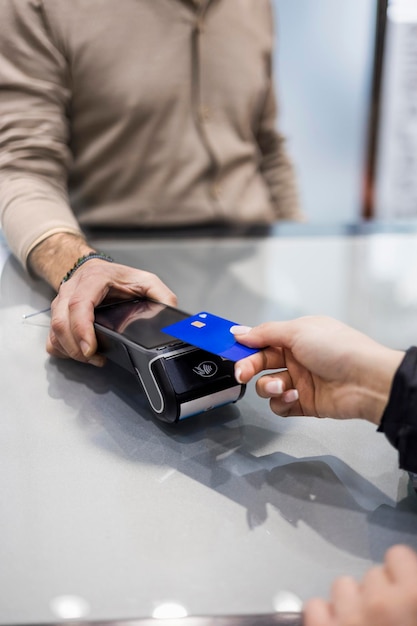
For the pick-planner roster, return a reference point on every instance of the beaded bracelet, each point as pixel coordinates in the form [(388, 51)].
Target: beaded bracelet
[(84, 259)]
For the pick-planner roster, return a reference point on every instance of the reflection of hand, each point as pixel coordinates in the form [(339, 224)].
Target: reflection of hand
[(144, 309), (386, 596), (332, 370), (72, 312)]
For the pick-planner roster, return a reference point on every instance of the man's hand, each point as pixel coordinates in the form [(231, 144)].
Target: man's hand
[(386, 596), (72, 311)]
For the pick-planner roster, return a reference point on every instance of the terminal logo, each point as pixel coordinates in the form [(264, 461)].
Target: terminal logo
[(206, 369)]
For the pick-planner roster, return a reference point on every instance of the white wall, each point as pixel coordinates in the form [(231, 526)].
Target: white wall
[(396, 188), (323, 69)]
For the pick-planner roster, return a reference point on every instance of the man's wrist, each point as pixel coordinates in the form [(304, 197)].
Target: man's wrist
[(84, 259), (51, 259)]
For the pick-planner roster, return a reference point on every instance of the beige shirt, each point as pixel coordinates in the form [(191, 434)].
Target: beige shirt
[(137, 113)]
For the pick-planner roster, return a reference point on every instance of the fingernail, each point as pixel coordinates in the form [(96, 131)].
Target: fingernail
[(238, 374), (96, 360), (85, 347), (290, 396), (274, 386), (240, 330)]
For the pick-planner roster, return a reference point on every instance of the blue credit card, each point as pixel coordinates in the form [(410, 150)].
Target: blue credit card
[(212, 333)]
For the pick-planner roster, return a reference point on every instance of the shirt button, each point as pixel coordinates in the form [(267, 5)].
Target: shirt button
[(199, 26), (204, 113), (216, 191)]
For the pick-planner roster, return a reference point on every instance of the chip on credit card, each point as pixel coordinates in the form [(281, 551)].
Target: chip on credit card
[(211, 333)]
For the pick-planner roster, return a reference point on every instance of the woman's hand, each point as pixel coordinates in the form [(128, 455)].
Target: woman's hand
[(327, 368)]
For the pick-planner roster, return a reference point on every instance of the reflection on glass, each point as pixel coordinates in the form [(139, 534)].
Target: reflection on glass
[(69, 607), (169, 610), (287, 602)]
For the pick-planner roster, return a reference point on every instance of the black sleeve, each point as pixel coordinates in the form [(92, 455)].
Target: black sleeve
[(399, 420)]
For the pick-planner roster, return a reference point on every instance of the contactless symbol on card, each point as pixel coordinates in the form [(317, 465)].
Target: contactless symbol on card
[(211, 333)]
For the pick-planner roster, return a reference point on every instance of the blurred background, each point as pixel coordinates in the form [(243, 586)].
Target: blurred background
[(328, 72)]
